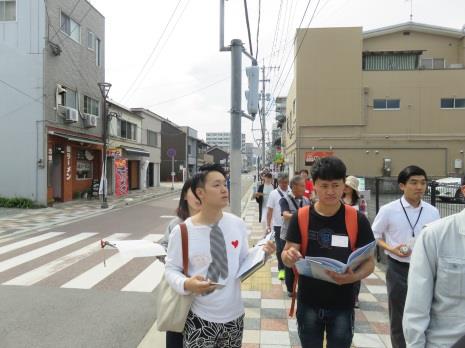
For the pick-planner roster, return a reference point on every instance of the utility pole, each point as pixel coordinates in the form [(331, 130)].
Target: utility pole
[(263, 112), (237, 50)]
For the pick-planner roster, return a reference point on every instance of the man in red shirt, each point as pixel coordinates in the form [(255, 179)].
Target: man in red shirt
[(308, 184)]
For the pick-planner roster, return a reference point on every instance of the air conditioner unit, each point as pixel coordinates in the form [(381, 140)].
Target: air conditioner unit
[(70, 114), (456, 66), (90, 120)]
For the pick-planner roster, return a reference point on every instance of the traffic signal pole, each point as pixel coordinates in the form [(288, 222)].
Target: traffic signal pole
[(237, 49)]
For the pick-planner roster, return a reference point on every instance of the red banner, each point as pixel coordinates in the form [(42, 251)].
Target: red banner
[(312, 156), (121, 177)]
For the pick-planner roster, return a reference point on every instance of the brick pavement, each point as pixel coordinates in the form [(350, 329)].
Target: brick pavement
[(265, 298)]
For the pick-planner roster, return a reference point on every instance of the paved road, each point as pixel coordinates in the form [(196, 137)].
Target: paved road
[(56, 292)]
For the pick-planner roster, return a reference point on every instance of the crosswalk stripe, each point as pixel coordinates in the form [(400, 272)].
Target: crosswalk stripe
[(96, 274), (148, 279), (23, 258), (29, 241), (42, 272)]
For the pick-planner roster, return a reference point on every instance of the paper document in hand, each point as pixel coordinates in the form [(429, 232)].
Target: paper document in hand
[(255, 260), (137, 248), (315, 267)]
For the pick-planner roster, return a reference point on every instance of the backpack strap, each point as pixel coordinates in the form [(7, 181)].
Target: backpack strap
[(185, 248), (303, 218), (351, 219)]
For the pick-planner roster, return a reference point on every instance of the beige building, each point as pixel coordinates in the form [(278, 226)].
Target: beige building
[(380, 99)]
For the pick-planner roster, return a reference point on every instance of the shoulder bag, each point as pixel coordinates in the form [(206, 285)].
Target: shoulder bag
[(172, 307)]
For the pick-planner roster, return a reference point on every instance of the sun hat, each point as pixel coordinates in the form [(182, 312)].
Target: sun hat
[(352, 182)]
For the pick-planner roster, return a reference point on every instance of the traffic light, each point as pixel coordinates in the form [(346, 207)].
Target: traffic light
[(253, 73)]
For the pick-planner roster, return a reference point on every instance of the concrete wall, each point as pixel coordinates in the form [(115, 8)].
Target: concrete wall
[(22, 171)]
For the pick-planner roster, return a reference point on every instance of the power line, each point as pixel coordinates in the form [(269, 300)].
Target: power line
[(276, 32), (258, 25), (153, 51), (248, 26)]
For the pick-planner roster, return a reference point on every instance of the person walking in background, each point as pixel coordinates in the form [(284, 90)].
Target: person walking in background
[(308, 184), (218, 245), (396, 226), (324, 307), (274, 219), (290, 203), (188, 206), (261, 196), (434, 314)]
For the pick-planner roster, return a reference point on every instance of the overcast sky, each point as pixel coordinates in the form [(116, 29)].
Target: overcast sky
[(187, 80)]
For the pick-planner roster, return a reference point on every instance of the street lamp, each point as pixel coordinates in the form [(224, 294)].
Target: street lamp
[(104, 90)]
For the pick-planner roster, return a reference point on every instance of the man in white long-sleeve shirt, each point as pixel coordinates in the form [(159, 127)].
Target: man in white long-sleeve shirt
[(434, 314), (217, 247)]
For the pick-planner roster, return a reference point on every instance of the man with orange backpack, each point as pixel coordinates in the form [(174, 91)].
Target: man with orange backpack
[(327, 229)]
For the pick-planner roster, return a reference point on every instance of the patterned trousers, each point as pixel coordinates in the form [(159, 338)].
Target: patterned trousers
[(199, 333)]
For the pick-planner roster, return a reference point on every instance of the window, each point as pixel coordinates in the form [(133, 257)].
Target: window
[(452, 103), (98, 52), (373, 61), (127, 130), (91, 106), (7, 10), (189, 150), (433, 63), (69, 98), (91, 40), (70, 28), (386, 104), (84, 167), (152, 138)]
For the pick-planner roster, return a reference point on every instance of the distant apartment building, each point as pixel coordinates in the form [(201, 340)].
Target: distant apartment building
[(222, 140), (52, 59), (380, 99)]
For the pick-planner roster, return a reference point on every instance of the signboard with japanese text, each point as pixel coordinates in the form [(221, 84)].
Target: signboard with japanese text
[(312, 156), (115, 152), (68, 163), (121, 177)]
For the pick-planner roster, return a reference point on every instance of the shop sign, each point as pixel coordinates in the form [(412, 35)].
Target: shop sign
[(121, 177), (68, 163), (115, 152), (312, 156)]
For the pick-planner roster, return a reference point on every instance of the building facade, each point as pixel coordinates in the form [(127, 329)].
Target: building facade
[(174, 143), (380, 99), (53, 58), (222, 139)]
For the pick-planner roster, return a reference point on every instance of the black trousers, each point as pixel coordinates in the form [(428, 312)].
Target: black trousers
[(174, 339), (396, 282), (289, 278), (279, 246)]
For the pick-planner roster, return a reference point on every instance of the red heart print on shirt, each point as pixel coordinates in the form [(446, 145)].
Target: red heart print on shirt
[(235, 243)]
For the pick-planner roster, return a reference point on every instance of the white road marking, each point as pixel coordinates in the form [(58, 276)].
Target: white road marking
[(148, 279), (98, 273), (29, 241), (168, 216), (23, 258), (42, 272)]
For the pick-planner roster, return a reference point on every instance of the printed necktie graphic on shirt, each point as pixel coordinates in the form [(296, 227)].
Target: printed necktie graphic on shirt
[(219, 265)]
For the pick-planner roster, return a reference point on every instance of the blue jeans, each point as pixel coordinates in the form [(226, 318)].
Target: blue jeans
[(313, 322)]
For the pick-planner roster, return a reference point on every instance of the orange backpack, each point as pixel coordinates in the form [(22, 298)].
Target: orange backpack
[(303, 216)]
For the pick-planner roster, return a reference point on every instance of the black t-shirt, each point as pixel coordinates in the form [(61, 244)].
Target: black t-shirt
[(316, 292)]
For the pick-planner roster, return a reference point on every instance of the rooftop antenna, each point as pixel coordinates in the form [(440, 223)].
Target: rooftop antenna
[(411, 10)]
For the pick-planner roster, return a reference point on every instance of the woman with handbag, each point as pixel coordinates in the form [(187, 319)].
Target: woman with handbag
[(217, 246), (188, 206), (262, 194)]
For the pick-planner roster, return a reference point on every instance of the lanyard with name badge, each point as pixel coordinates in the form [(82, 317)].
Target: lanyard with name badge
[(416, 222)]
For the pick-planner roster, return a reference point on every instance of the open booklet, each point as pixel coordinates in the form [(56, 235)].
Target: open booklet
[(255, 260), (316, 267)]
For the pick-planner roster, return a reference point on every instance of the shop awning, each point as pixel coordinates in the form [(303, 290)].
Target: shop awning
[(136, 151), (75, 138)]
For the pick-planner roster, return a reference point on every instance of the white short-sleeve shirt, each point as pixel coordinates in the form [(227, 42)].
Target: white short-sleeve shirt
[(273, 202), (391, 223)]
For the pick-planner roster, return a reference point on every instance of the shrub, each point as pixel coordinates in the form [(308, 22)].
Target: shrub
[(18, 202)]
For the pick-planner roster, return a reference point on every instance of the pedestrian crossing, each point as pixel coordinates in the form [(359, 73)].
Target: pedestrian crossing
[(49, 259)]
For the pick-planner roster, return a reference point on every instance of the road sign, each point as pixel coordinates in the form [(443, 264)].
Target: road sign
[(171, 152)]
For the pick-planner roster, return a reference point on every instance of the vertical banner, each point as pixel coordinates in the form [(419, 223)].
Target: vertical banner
[(121, 177)]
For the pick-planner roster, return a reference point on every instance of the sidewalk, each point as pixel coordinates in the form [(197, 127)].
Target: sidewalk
[(266, 306), (21, 220)]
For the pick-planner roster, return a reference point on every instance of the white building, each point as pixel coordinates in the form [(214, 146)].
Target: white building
[(222, 139)]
